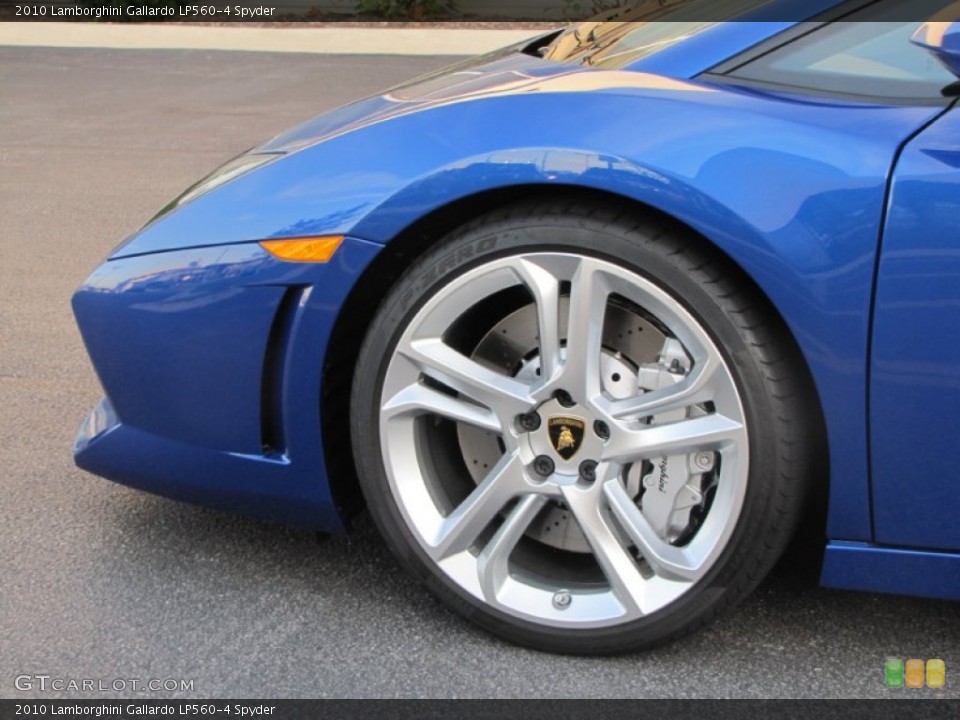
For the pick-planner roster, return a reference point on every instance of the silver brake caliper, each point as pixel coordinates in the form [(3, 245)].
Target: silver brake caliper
[(671, 485)]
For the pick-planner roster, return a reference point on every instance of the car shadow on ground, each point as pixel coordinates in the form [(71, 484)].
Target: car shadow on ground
[(243, 550), (161, 586)]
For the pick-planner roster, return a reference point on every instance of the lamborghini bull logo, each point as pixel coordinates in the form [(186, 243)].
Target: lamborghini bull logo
[(566, 434)]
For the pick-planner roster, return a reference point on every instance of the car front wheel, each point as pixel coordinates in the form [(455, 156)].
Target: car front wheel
[(579, 429)]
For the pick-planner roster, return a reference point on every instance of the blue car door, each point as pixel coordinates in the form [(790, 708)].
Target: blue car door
[(914, 393)]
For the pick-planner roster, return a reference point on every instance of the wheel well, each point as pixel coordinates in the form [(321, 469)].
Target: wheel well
[(373, 286)]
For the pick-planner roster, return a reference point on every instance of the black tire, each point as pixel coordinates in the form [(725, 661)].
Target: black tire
[(771, 380)]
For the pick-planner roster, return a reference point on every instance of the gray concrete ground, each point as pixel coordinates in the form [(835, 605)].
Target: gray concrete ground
[(98, 581)]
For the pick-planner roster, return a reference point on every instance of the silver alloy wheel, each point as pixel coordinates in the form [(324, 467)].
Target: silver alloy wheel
[(678, 431)]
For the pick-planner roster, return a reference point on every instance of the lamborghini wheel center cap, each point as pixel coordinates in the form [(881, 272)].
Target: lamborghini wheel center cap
[(565, 435)]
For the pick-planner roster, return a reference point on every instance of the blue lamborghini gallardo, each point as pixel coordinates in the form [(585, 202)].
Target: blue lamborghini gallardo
[(584, 324)]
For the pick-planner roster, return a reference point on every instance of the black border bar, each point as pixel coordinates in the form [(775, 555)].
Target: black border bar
[(431, 12), (901, 708)]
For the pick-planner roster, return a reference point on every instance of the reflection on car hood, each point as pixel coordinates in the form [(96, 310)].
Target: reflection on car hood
[(474, 77), (505, 73)]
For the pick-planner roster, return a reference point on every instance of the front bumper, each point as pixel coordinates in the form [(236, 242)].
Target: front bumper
[(211, 362), (271, 489)]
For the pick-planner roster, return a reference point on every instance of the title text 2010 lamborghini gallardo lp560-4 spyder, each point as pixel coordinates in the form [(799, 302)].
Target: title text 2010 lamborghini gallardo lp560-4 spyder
[(582, 323)]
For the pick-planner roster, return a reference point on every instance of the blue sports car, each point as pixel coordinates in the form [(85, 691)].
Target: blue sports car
[(587, 324)]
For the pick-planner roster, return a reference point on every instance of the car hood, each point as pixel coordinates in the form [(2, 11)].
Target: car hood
[(503, 71), (507, 72)]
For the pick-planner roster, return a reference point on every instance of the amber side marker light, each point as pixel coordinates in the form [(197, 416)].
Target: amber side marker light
[(310, 249)]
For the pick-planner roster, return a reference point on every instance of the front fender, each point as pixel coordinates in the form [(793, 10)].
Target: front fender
[(791, 189)]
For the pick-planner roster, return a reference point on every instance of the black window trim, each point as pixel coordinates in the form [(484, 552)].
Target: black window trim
[(804, 91)]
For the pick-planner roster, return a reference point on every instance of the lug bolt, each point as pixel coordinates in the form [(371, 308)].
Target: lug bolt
[(601, 429), (563, 397), (704, 460), (588, 470), (562, 599), (528, 421), (542, 465)]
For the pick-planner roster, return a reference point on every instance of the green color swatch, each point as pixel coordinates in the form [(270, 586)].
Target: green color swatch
[(893, 672)]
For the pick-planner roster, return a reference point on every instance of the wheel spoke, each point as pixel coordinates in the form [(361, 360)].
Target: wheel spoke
[(696, 388), (708, 432), (620, 569), (588, 304), (665, 559), (460, 529), (421, 399), (493, 562), (545, 288), (502, 394)]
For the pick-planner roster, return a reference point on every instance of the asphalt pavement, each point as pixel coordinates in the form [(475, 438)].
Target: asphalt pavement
[(101, 582)]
